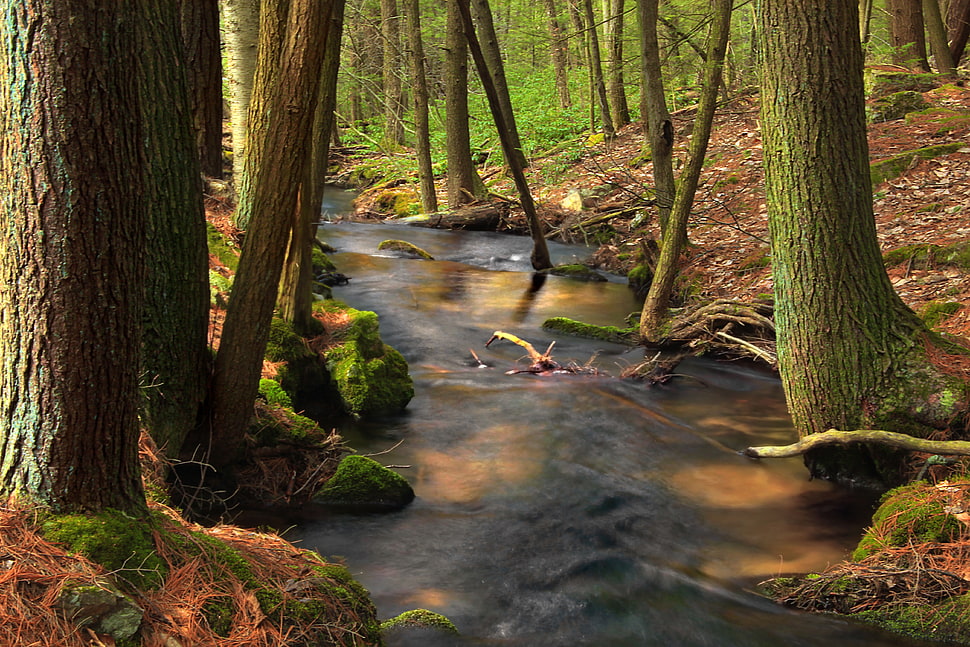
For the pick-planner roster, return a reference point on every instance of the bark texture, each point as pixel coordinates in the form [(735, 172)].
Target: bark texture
[(559, 51), (203, 65), (422, 128), (240, 20), (958, 28), (907, 37), (71, 254), (616, 90), (392, 59), (598, 84)]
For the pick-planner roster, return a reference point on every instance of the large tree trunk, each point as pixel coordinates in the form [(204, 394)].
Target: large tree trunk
[(617, 86), (422, 129), (596, 70), (240, 21), (657, 125), (482, 14), (655, 306), (464, 183), (908, 40), (958, 26), (175, 357), (203, 65), (276, 157), (391, 65), (851, 353), (71, 254), (559, 51)]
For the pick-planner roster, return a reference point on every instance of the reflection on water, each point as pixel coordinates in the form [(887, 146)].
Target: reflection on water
[(572, 510)]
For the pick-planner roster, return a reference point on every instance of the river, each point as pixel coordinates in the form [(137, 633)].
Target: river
[(572, 510)]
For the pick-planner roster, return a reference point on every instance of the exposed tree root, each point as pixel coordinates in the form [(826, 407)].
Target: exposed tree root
[(877, 436)]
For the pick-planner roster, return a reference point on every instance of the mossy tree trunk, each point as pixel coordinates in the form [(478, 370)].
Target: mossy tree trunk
[(175, 355), (422, 128), (655, 307), (203, 65), (936, 34), (276, 156), (72, 254), (851, 353)]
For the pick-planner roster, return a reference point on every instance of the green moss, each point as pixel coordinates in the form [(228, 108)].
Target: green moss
[(218, 612), (284, 345), (908, 514), (936, 312), (759, 258), (896, 105), (894, 166), (942, 622), (285, 426), (926, 256), (404, 247), (640, 278), (321, 262), (577, 271), (273, 393), (589, 331), (221, 248), (362, 481), (421, 618), (118, 542)]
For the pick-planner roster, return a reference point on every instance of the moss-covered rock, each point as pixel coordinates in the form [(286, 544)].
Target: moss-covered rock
[(404, 247), (577, 271), (885, 84), (102, 607), (419, 619), (896, 106), (363, 483), (936, 312), (894, 166), (926, 256), (589, 331), (371, 377), (302, 374)]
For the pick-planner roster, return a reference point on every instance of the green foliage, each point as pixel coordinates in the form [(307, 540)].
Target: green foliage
[(273, 393), (221, 248)]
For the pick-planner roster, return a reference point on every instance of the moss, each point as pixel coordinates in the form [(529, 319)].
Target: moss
[(926, 256), (285, 426), (218, 612), (118, 542), (397, 202), (221, 248), (404, 247), (936, 312), (273, 393), (321, 262), (757, 259), (589, 331), (944, 622), (362, 482), (421, 618), (908, 514), (896, 106), (284, 345), (894, 166), (640, 278)]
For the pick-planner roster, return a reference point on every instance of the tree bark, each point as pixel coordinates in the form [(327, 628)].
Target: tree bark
[(617, 85), (422, 129), (908, 41), (175, 359), (658, 127), (464, 183), (71, 254), (276, 156), (393, 95), (559, 52), (203, 65), (596, 70), (655, 307), (958, 25), (936, 33), (240, 20)]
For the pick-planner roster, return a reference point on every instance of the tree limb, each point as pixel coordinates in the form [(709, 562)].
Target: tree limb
[(836, 437)]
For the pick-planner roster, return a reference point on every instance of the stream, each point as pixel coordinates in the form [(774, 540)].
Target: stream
[(571, 510)]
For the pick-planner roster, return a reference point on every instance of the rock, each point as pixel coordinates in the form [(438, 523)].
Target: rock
[(361, 483), (896, 106), (102, 607)]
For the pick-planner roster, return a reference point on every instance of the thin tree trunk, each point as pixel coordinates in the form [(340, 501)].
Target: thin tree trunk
[(581, 56), (617, 86), (393, 95), (482, 14), (240, 20), (936, 33), (865, 18), (596, 70), (658, 127), (559, 52), (422, 129), (71, 254), (958, 24), (540, 251), (658, 298), (276, 156), (909, 43), (200, 33)]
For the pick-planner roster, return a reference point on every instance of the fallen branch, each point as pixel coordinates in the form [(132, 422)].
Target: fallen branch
[(877, 436)]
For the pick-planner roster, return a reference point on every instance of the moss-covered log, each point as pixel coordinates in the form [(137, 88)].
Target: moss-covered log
[(871, 436)]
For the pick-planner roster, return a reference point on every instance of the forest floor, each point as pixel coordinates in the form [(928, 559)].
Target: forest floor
[(728, 253)]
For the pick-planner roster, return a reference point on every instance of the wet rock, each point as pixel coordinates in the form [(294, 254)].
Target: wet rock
[(361, 483)]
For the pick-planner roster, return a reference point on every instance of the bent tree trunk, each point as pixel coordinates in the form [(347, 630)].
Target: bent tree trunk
[(852, 355)]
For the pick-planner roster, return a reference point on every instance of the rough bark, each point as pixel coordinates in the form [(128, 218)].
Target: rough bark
[(71, 254), (596, 70), (488, 40), (203, 65), (907, 38), (655, 307), (851, 353), (617, 86), (559, 52), (390, 67), (240, 20), (276, 156), (958, 28), (464, 183), (936, 34), (422, 129), (658, 127), (175, 355)]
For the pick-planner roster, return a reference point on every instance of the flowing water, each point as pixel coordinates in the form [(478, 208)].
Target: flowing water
[(572, 510)]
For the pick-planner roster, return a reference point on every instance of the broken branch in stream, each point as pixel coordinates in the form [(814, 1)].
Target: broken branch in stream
[(877, 436), (542, 363)]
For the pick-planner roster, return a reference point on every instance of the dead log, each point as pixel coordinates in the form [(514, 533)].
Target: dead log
[(876, 436), (474, 217)]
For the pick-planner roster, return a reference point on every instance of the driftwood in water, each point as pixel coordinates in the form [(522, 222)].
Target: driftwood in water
[(474, 217), (542, 363), (876, 436)]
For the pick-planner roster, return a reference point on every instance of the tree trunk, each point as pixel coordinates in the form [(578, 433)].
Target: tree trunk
[(617, 86), (936, 33), (393, 95), (658, 127), (559, 51), (240, 21), (71, 254), (851, 353), (865, 18), (581, 56), (958, 25), (464, 183), (655, 306), (908, 41), (540, 252), (175, 355), (203, 65), (422, 129), (276, 156), (596, 70), (482, 14)]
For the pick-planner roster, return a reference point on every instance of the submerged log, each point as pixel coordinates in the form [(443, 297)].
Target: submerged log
[(877, 436), (475, 217)]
